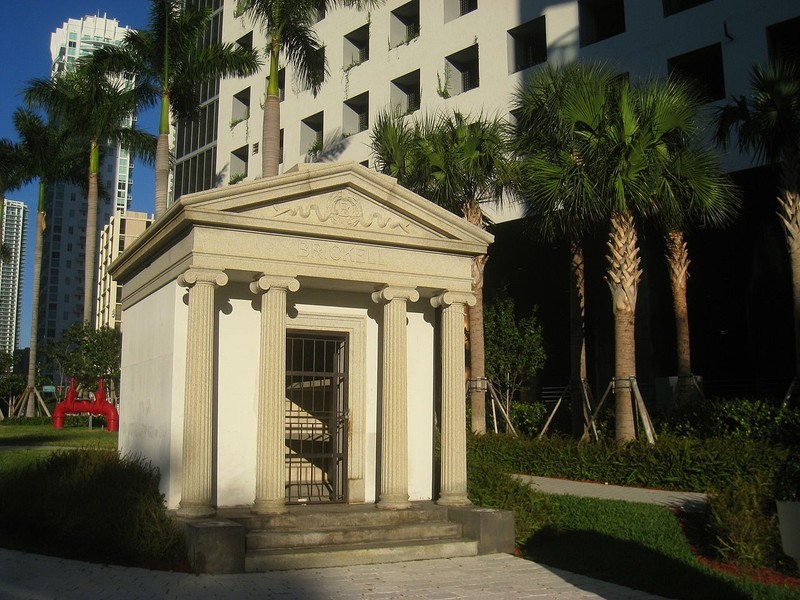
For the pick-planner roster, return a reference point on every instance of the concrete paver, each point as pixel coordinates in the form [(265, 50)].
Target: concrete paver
[(28, 576)]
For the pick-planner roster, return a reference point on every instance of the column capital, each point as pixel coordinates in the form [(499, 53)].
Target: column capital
[(391, 292), (193, 275), (446, 299), (267, 282)]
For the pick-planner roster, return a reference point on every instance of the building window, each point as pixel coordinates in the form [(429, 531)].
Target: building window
[(404, 23), (784, 40), (238, 170), (461, 72), (703, 67), (458, 8), (356, 47), (527, 45), (355, 116), (246, 41), (311, 129), (600, 20), (240, 107), (280, 150), (675, 6), (404, 94)]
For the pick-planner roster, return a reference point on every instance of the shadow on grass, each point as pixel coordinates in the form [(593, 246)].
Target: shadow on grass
[(627, 563)]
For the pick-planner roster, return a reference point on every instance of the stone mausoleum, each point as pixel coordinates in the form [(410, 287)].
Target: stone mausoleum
[(298, 340)]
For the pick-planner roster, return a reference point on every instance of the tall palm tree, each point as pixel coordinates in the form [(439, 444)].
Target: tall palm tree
[(10, 179), (168, 63), (708, 199), (767, 122), (50, 154), (460, 164), (97, 109), (289, 29), (626, 135), (560, 200)]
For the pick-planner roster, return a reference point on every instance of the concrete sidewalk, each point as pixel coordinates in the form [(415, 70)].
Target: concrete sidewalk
[(498, 576), (685, 501)]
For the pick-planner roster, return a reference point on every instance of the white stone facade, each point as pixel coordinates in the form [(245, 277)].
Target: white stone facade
[(210, 292)]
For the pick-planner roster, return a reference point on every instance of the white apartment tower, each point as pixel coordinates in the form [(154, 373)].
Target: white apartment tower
[(119, 233), (61, 296), (15, 227), (469, 55)]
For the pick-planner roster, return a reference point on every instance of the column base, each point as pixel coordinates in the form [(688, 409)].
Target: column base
[(453, 500), (269, 507), (195, 510), (394, 503)]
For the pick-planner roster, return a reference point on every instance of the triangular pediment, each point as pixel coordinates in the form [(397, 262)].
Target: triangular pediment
[(339, 200)]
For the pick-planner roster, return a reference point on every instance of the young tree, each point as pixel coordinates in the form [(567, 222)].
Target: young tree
[(168, 63), (289, 28), (96, 109), (767, 123), (47, 153), (460, 164), (87, 355), (514, 348)]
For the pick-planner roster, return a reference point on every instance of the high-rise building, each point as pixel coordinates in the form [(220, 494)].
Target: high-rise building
[(15, 227), (63, 243), (119, 233), (469, 55)]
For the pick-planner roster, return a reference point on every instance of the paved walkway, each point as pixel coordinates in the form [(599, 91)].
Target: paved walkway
[(496, 576), (500, 576)]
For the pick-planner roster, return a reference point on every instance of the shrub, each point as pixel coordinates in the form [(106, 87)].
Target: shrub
[(757, 419), (91, 505), (528, 418), (672, 463), (744, 523), (787, 478)]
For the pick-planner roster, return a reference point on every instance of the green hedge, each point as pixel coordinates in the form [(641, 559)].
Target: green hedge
[(673, 463)]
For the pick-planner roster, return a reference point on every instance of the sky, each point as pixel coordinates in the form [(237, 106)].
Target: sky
[(25, 31)]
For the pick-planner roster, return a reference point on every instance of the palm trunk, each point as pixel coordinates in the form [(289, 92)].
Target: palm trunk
[(477, 356), (91, 237), (789, 213), (271, 128), (678, 261), (162, 158), (30, 394), (623, 279), (577, 332)]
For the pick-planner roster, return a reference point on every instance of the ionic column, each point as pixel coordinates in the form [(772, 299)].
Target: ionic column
[(271, 435), (454, 419), (394, 403), (198, 427)]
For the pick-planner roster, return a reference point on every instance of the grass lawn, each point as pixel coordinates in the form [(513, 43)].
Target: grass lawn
[(636, 545)]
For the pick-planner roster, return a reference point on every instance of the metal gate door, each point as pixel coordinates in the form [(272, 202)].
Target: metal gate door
[(316, 417)]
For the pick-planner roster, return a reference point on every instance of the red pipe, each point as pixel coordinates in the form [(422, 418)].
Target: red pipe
[(100, 407)]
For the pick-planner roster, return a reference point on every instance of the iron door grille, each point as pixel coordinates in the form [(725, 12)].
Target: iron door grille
[(316, 418)]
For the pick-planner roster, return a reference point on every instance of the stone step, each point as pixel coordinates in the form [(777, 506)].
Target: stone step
[(356, 554), (321, 516), (328, 535)]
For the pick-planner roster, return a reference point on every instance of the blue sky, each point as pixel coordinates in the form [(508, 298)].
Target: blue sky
[(24, 55)]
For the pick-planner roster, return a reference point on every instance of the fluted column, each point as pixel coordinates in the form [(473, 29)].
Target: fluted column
[(271, 435), (198, 427), (454, 418), (394, 402)]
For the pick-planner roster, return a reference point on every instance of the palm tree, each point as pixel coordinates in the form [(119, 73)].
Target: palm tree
[(624, 138), (168, 64), (289, 28), (10, 179), (49, 154), (459, 164), (709, 199), (560, 200), (97, 109), (767, 122)]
